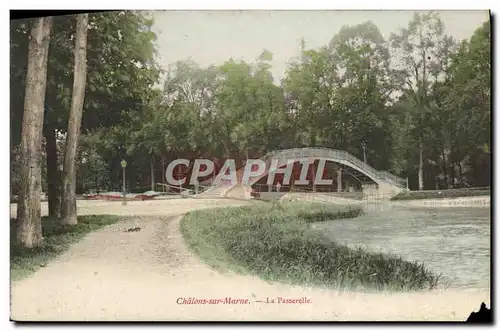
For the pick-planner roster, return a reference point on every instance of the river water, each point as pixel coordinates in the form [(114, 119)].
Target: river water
[(452, 241)]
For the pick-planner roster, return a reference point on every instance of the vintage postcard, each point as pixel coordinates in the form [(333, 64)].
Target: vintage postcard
[(243, 166)]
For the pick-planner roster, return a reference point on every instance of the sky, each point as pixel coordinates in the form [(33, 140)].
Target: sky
[(212, 37)]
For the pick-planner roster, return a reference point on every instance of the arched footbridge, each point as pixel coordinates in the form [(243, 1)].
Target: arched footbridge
[(387, 182)]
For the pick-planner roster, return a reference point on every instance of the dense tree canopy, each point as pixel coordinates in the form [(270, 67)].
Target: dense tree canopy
[(419, 101)]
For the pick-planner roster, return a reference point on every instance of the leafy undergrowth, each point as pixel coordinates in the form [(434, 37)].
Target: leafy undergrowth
[(276, 242), (57, 239), (445, 194)]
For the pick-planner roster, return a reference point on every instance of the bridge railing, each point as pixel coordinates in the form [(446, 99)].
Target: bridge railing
[(383, 175), (393, 178), (341, 155), (300, 153)]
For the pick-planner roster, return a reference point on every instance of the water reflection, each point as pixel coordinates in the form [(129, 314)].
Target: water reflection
[(451, 241)]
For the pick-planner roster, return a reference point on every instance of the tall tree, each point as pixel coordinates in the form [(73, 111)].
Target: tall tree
[(29, 227), (68, 215), (360, 58), (121, 71), (58, 98), (417, 48), (467, 100)]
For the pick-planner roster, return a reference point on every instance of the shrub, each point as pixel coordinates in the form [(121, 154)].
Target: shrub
[(444, 194)]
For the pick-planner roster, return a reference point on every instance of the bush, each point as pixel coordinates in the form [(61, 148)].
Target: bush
[(444, 194), (276, 242)]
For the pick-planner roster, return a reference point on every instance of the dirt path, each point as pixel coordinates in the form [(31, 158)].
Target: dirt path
[(167, 207), (114, 275)]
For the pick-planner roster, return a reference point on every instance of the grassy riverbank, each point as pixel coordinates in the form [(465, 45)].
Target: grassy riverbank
[(57, 237), (444, 194), (276, 242)]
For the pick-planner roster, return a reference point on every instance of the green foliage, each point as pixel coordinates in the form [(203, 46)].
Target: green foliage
[(446, 194), (57, 239), (324, 214), (275, 242), (121, 68), (122, 71), (92, 169), (338, 94), (437, 84), (420, 86)]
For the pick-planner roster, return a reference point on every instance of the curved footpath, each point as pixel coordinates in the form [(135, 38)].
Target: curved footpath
[(112, 275)]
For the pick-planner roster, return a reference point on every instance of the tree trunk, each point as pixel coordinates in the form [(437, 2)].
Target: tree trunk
[(75, 119), (163, 170), (131, 174), (312, 138), (453, 173), (313, 176), (179, 173), (294, 141), (445, 166), (421, 168), (29, 223), (53, 177), (461, 173), (152, 169)]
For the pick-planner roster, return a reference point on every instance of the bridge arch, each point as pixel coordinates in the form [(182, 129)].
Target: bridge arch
[(334, 155), (384, 179), (312, 172)]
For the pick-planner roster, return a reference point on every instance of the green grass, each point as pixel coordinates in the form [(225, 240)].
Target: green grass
[(444, 194), (276, 242), (57, 239)]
